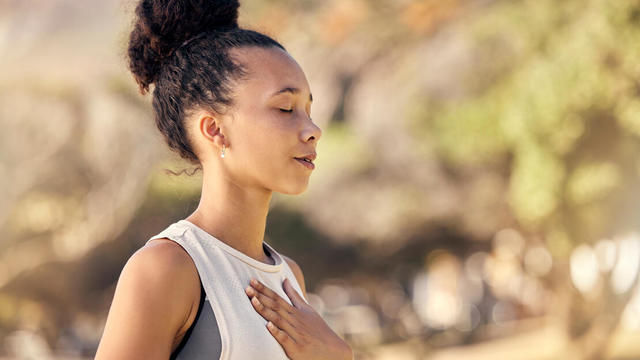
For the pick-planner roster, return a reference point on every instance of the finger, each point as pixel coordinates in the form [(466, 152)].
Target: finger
[(274, 317), (272, 294), (286, 341), (292, 293), (286, 312)]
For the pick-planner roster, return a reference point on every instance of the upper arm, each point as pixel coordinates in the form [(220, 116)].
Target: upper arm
[(152, 301), (298, 273)]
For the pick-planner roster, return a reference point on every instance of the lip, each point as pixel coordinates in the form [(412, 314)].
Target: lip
[(310, 156), (308, 165)]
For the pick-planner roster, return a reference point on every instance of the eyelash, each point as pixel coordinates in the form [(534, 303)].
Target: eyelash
[(289, 111)]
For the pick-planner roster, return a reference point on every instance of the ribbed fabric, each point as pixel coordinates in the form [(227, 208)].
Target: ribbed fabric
[(225, 273)]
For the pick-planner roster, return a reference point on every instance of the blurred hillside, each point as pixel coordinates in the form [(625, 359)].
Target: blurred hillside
[(476, 189)]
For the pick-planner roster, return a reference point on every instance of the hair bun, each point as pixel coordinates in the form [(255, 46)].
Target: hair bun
[(161, 26)]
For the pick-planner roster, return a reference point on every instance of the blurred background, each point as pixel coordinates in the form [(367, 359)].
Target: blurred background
[(476, 194)]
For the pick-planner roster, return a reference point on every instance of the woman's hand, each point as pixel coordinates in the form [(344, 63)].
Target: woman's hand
[(299, 329)]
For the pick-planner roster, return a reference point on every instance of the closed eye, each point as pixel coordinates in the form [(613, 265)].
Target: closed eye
[(286, 110)]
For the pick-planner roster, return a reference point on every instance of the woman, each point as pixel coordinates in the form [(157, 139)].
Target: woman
[(235, 102)]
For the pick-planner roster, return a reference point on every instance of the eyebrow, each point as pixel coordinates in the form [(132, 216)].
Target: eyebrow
[(292, 90)]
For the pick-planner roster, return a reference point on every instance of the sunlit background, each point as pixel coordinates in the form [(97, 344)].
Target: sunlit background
[(476, 194)]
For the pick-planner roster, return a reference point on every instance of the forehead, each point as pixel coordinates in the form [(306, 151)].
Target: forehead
[(269, 70)]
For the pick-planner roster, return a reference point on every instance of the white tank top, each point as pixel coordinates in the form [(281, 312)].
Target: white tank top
[(225, 273)]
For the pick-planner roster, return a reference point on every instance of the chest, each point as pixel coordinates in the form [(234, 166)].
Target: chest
[(243, 331)]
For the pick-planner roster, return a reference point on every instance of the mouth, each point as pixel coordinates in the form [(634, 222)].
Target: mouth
[(306, 162)]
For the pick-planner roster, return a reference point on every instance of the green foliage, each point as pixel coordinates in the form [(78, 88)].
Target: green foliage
[(536, 181), (572, 68)]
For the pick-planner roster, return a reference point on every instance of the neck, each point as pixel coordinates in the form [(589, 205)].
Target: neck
[(233, 213)]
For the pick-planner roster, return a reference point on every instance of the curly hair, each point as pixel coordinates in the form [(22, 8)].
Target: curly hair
[(182, 47)]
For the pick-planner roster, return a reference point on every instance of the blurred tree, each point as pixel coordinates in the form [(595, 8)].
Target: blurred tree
[(563, 115), (430, 110)]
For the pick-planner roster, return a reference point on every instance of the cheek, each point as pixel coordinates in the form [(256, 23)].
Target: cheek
[(266, 143)]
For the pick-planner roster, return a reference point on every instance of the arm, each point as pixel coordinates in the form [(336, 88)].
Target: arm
[(153, 300)]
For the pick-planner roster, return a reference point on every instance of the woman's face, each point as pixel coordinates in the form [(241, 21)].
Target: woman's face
[(270, 124)]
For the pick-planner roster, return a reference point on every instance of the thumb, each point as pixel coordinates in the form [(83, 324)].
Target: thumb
[(291, 292)]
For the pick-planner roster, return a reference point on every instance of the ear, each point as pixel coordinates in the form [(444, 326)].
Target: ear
[(209, 126)]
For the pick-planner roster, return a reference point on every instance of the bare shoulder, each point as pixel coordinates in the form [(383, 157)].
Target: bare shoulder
[(165, 269), (167, 254), (164, 266), (154, 298), (297, 271)]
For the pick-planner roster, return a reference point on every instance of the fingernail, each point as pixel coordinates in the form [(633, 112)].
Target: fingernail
[(254, 282), (249, 290), (255, 301)]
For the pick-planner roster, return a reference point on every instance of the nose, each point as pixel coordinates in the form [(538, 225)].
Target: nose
[(311, 132)]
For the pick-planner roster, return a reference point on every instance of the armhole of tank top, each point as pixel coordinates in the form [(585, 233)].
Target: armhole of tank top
[(187, 334)]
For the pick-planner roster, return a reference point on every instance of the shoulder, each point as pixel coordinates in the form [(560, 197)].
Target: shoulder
[(162, 265), (297, 271), (154, 298), (164, 268), (162, 251)]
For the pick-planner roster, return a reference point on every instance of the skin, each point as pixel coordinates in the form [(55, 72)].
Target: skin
[(157, 295)]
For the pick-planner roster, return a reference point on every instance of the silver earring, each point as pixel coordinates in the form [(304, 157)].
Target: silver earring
[(222, 154)]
